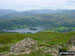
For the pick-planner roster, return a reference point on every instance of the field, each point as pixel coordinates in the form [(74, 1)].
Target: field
[(60, 29)]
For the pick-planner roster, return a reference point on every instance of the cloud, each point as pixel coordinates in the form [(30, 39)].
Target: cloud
[(71, 2), (37, 4)]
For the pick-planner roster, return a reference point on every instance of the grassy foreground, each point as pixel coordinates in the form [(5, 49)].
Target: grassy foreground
[(44, 38)]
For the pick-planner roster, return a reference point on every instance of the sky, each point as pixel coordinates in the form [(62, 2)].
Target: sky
[(22, 5)]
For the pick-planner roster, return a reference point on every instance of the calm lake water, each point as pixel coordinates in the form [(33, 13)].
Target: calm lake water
[(27, 30)]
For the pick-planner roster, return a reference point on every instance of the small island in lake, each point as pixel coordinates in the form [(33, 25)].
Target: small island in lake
[(33, 29)]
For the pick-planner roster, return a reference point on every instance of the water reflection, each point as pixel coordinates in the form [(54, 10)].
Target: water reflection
[(27, 30)]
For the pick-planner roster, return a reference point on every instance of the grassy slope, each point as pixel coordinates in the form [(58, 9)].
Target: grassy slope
[(44, 38)]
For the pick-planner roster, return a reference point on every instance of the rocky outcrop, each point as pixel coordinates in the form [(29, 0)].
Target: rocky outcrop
[(71, 44), (72, 41), (27, 46), (50, 49)]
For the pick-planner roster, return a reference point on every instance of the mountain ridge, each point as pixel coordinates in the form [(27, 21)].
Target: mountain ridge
[(36, 12)]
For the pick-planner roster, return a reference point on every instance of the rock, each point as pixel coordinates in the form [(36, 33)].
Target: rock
[(72, 48), (71, 44), (53, 50), (27, 46), (72, 41), (1, 45)]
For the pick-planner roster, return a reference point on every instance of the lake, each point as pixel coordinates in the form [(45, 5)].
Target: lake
[(27, 30)]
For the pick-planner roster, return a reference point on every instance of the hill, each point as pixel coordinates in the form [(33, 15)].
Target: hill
[(6, 11), (46, 39), (45, 18), (36, 12)]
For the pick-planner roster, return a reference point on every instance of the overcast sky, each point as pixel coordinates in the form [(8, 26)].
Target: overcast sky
[(37, 4)]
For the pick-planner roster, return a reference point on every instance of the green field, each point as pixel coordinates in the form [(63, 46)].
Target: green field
[(60, 29)]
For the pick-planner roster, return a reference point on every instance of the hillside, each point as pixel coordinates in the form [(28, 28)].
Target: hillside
[(53, 20), (6, 11), (47, 39), (34, 12), (44, 18)]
